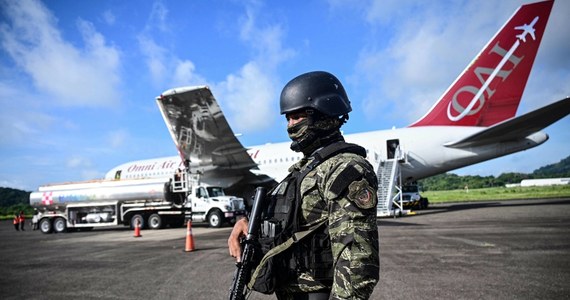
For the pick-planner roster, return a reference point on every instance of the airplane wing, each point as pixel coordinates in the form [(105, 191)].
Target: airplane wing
[(204, 138), (518, 127)]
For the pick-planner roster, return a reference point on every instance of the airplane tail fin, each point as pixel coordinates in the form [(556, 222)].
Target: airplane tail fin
[(490, 89)]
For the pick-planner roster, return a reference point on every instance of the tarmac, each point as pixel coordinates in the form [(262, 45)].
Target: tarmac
[(484, 250)]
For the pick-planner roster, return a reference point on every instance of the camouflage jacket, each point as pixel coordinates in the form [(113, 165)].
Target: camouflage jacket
[(342, 190)]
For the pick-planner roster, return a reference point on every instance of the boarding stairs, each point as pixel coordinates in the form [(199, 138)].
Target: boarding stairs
[(390, 186)]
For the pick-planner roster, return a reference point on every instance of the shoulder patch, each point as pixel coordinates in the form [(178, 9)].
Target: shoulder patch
[(348, 175), (362, 194)]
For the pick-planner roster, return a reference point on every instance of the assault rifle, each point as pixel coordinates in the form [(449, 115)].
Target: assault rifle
[(242, 274)]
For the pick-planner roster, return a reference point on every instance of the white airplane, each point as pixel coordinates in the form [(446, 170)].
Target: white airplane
[(473, 121), (527, 29)]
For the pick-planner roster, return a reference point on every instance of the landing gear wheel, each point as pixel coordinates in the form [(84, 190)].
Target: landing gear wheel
[(155, 221), (59, 225), (215, 219), (46, 226)]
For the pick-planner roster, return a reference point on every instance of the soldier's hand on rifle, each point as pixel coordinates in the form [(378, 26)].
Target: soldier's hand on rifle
[(239, 231)]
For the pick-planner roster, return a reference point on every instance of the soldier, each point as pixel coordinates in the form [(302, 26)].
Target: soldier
[(319, 232)]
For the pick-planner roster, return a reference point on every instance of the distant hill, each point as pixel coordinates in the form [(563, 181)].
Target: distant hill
[(450, 181), (13, 200), (559, 169), (9, 197)]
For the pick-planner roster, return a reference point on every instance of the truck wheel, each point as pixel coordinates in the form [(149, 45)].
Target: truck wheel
[(45, 225), (137, 218), (215, 219), (154, 221), (59, 225)]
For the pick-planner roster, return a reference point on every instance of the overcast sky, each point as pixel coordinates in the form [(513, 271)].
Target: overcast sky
[(78, 79)]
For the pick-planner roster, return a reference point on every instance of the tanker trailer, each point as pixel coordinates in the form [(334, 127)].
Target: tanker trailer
[(102, 203)]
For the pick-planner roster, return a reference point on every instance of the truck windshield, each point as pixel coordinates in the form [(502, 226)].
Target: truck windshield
[(215, 191), (410, 189)]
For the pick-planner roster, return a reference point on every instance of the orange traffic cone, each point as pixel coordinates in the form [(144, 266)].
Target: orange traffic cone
[(189, 238), (138, 228)]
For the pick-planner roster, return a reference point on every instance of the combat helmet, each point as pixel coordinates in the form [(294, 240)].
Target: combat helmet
[(318, 90), (322, 96)]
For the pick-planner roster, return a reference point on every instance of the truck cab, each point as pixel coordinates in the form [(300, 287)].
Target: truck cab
[(411, 197), (210, 204)]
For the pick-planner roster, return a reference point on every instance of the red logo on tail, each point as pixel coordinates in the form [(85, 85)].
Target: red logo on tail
[(490, 89)]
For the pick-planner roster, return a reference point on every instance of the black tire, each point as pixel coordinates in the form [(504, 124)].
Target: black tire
[(155, 221), (139, 218), (46, 225), (59, 225), (216, 219)]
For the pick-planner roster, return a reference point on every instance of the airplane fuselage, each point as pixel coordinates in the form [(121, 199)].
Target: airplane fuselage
[(423, 148)]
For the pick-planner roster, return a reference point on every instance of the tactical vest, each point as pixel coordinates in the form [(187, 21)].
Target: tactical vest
[(287, 250)]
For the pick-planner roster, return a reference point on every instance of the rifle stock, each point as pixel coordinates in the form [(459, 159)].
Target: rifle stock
[(242, 274)]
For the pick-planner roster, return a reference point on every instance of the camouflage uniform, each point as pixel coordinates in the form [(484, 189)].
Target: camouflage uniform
[(351, 215)]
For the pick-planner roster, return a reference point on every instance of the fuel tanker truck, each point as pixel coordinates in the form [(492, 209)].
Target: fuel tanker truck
[(151, 203)]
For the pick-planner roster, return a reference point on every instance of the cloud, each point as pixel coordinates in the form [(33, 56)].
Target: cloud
[(155, 57), (265, 40), (253, 85), (109, 17), (159, 16), (73, 76), (165, 67), (117, 138), (20, 120), (185, 74), (78, 162), (83, 167), (250, 95)]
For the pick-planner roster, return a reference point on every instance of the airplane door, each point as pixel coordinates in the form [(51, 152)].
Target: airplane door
[(391, 146)]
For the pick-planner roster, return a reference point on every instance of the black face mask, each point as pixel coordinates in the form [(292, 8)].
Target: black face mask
[(308, 135), (302, 135)]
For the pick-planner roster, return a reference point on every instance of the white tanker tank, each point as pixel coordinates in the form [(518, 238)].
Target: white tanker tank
[(102, 203), (100, 190)]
